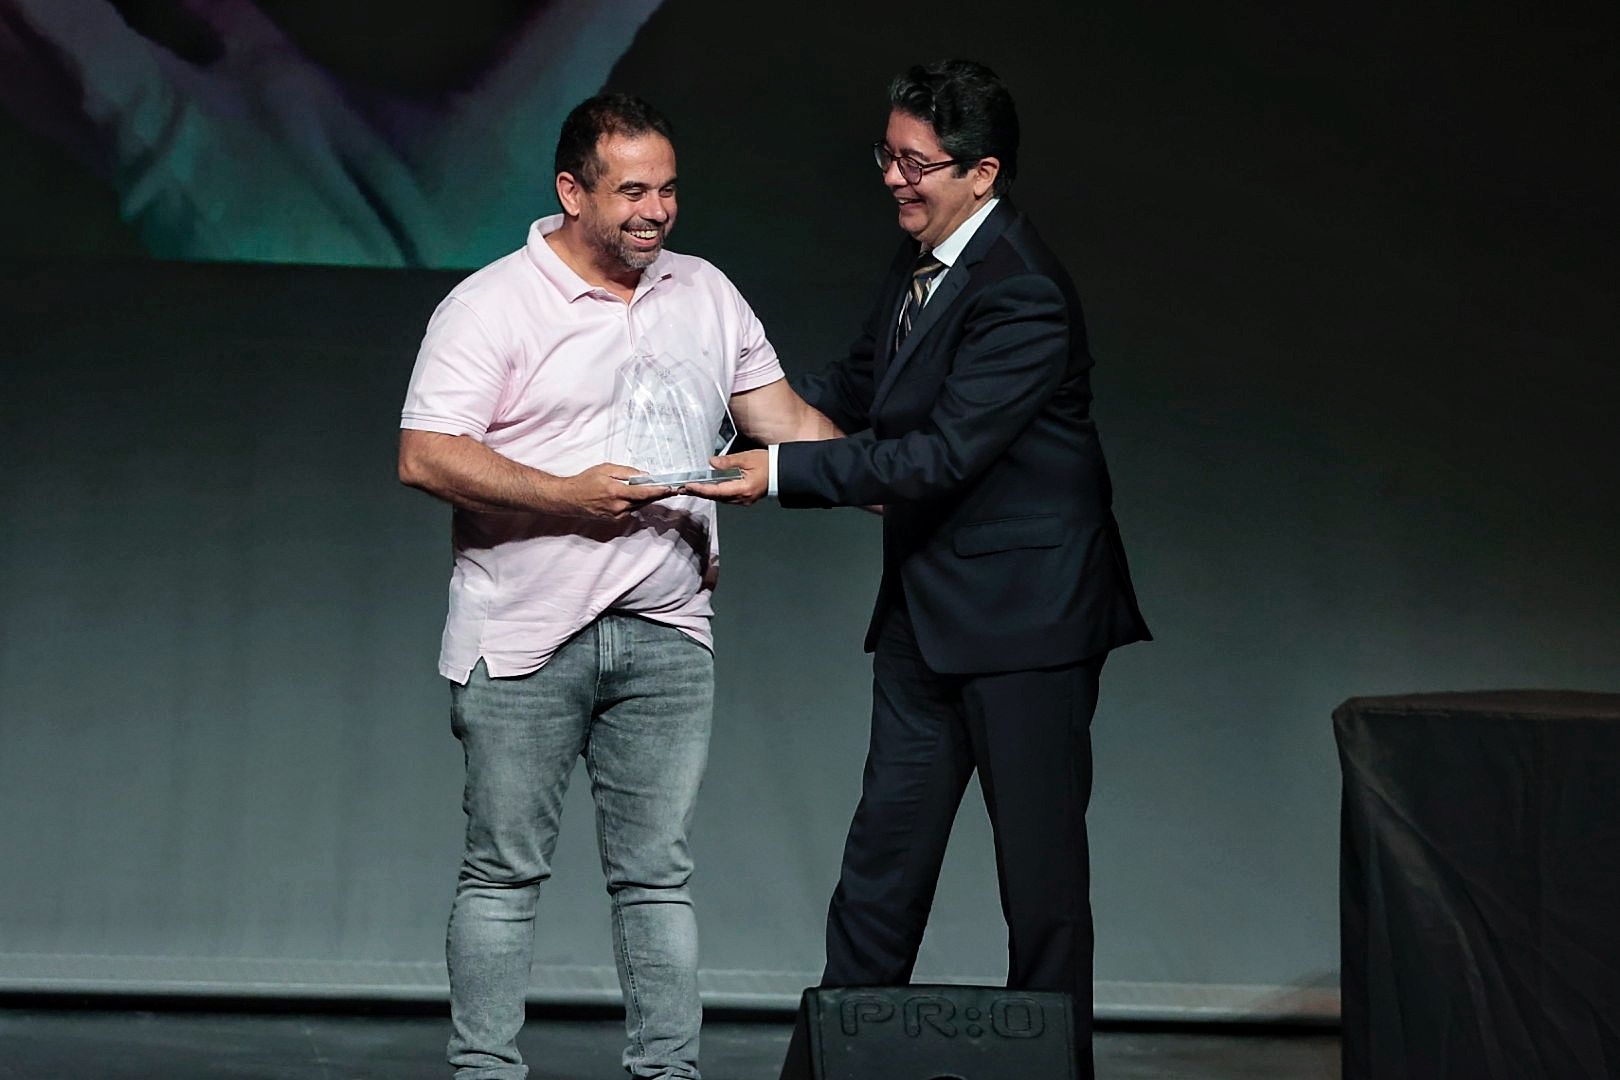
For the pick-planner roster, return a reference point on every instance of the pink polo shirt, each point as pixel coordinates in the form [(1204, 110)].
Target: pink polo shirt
[(523, 356)]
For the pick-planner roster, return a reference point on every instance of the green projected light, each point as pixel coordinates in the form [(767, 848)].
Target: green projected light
[(235, 145)]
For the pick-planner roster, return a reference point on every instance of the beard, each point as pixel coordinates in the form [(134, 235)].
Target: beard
[(613, 241)]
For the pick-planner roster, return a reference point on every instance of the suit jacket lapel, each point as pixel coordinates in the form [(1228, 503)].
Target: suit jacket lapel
[(942, 299)]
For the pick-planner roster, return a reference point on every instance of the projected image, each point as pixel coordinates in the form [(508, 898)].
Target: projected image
[(223, 140)]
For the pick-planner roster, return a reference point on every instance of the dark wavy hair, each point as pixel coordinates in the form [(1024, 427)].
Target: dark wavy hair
[(604, 114), (970, 109)]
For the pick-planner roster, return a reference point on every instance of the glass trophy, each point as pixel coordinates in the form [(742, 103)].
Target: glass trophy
[(669, 419)]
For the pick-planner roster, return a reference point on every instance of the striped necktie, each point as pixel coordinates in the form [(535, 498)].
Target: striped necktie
[(925, 271)]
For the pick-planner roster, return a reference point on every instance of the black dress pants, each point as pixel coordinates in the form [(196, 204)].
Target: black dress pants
[(1028, 733)]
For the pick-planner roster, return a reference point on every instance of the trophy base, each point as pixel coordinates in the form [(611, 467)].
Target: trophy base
[(687, 476)]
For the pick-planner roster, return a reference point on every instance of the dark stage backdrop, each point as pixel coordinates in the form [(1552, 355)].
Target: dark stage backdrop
[(1351, 292)]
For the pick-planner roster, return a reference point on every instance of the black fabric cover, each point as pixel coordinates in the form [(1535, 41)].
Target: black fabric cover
[(1480, 885), (931, 1033)]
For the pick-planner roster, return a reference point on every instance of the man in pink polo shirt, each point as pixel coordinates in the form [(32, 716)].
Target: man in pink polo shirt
[(579, 604)]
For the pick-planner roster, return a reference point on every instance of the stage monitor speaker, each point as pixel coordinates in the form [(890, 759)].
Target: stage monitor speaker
[(931, 1033)]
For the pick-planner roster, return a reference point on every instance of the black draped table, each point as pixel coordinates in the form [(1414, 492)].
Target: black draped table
[(1480, 885)]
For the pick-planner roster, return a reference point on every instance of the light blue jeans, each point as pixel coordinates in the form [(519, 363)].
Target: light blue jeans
[(635, 699)]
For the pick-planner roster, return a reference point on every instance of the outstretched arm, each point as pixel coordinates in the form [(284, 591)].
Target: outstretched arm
[(464, 472), (1006, 368), (770, 414), (775, 413)]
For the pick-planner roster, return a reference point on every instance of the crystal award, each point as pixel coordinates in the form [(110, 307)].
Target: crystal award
[(669, 419)]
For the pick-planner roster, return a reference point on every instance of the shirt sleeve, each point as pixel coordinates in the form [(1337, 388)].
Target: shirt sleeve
[(757, 362), (460, 375)]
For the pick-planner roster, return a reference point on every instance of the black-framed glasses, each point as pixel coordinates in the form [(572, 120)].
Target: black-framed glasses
[(911, 170)]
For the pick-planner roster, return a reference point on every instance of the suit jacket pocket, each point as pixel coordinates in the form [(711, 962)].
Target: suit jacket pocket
[(1008, 534)]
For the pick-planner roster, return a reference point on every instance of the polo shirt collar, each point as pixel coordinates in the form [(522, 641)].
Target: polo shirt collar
[(562, 276)]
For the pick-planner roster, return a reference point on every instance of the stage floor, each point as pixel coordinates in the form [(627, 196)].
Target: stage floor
[(192, 1044)]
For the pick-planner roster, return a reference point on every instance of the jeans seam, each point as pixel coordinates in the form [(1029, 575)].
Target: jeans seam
[(603, 658), (607, 631), (631, 987)]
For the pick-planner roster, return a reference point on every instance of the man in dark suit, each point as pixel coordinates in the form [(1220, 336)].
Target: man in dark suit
[(968, 403)]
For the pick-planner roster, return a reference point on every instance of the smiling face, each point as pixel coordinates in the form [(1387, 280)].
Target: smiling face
[(626, 216), (932, 208)]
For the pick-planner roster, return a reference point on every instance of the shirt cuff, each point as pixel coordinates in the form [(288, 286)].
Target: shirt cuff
[(770, 489)]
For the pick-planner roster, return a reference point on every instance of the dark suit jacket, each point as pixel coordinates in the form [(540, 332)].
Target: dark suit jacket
[(978, 440)]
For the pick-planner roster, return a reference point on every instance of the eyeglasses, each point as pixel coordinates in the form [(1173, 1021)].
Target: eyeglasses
[(911, 170)]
